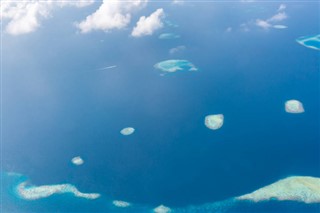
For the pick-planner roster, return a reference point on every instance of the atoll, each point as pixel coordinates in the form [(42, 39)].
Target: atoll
[(170, 66)]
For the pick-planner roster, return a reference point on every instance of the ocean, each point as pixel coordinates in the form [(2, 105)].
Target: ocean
[(58, 102)]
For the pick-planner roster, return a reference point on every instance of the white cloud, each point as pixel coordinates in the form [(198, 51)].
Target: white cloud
[(177, 49), (111, 15), (267, 23), (263, 24), (282, 7), (177, 2), (278, 17), (25, 16), (147, 25)]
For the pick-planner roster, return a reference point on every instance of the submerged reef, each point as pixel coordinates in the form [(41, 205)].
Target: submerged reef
[(171, 24), (214, 122), (37, 192), (294, 106), (119, 203), (218, 206), (170, 66), (127, 131), (168, 36), (301, 189), (279, 26), (177, 49), (296, 188), (312, 42)]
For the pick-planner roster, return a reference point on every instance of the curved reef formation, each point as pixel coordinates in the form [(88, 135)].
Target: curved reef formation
[(37, 192), (296, 188)]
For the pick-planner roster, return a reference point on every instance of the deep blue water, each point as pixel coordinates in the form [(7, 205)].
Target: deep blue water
[(57, 105)]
